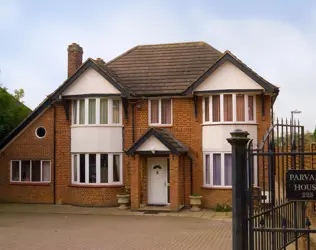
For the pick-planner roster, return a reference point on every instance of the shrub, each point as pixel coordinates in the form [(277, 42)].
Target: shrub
[(223, 208)]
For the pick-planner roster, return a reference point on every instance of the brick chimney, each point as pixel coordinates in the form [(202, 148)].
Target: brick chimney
[(100, 62), (74, 58)]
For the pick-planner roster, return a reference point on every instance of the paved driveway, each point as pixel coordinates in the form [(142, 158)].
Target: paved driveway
[(57, 231)]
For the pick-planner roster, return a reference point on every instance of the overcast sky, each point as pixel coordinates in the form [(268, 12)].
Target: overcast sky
[(277, 40)]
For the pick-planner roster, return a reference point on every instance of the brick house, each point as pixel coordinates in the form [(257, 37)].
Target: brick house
[(155, 118)]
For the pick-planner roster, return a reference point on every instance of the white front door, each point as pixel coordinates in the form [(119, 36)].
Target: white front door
[(157, 181)]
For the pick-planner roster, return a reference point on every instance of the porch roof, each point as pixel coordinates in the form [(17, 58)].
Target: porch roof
[(164, 136)]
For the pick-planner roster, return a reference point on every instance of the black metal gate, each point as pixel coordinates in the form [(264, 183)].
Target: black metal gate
[(272, 221)]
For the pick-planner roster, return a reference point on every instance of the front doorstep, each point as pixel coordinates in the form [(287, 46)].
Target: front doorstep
[(158, 208)]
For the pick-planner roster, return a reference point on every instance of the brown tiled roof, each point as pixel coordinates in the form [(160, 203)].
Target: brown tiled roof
[(163, 68)]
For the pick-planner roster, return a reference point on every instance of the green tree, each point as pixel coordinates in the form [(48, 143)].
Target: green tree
[(19, 94), (314, 135), (12, 112), (3, 87)]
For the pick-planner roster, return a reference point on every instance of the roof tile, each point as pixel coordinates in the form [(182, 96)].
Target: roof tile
[(161, 68)]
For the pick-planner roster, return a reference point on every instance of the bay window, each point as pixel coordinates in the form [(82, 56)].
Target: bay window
[(160, 111), (228, 108), (218, 169), (101, 168), (30, 171), (91, 111)]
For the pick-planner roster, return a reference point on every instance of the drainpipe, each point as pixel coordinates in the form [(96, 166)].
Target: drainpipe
[(54, 174), (183, 167), (133, 122), (191, 175)]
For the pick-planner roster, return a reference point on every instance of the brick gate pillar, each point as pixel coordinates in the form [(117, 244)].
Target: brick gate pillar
[(174, 182), (135, 182)]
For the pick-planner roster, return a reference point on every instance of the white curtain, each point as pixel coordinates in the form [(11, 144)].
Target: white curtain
[(103, 111), (82, 111), (92, 104), (216, 108), (240, 108), (116, 111), (217, 169), (228, 169), (250, 108), (74, 112), (45, 171), (154, 109), (207, 108), (166, 111), (116, 168), (207, 169)]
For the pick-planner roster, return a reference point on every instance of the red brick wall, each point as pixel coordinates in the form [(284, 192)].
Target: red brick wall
[(185, 127), (66, 193), (28, 147)]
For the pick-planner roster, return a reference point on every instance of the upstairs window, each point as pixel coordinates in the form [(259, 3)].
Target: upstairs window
[(116, 111), (91, 111), (251, 108), (104, 111), (240, 108), (160, 111), (229, 108), (82, 113), (216, 108)]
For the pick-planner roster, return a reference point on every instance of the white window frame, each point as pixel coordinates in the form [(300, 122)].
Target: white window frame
[(211, 169), (97, 118), (98, 169), (20, 171), (159, 112), (234, 121), (255, 170)]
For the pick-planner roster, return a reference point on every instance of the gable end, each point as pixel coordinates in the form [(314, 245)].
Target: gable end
[(268, 87)]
